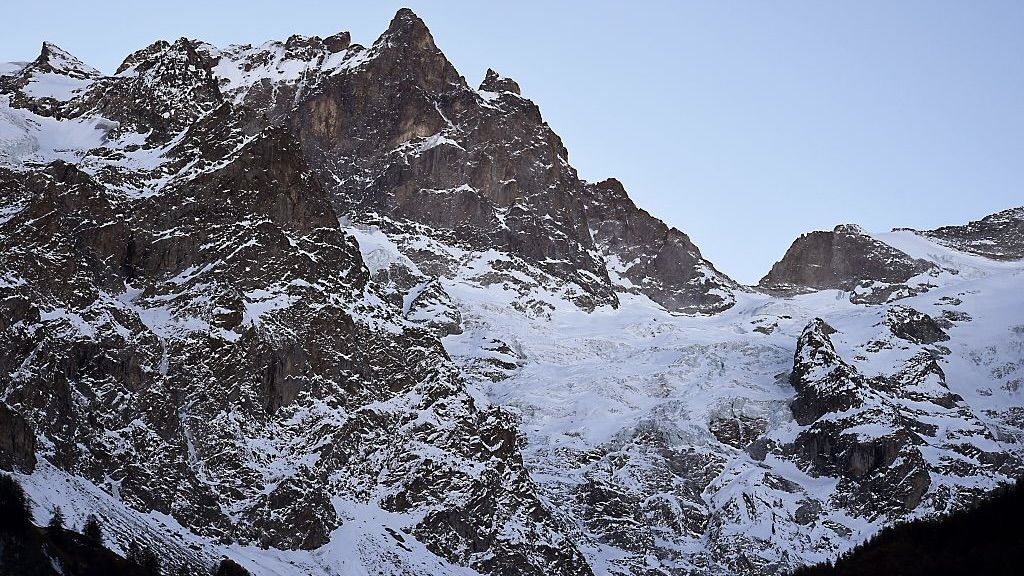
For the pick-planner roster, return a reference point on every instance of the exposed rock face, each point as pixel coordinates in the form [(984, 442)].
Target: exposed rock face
[(487, 172), (915, 326), (737, 430), (421, 298), (185, 332), (823, 382), (495, 83), (338, 42), (17, 441), (163, 87), (846, 259), (876, 433), (647, 256), (999, 236)]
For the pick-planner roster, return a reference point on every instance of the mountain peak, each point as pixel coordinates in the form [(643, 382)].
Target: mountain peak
[(408, 26), (406, 14), (338, 42), (53, 58), (848, 229), (406, 50), (494, 82)]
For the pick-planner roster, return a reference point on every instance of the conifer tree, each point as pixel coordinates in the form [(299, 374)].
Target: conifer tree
[(92, 531), (57, 520), (135, 553), (14, 514), (150, 562)]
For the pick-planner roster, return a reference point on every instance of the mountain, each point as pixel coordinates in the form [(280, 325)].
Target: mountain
[(324, 307)]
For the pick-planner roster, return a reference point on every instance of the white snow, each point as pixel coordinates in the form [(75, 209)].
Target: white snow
[(589, 379), (27, 137), (56, 86), (11, 68)]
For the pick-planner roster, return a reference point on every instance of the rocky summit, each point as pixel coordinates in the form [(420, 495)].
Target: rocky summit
[(324, 307)]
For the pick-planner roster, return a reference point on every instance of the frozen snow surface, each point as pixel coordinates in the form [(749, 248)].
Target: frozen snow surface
[(588, 384)]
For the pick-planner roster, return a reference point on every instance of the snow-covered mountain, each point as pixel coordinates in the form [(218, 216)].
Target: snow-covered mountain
[(321, 307)]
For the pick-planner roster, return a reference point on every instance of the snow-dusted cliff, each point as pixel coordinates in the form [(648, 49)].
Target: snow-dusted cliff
[(322, 307)]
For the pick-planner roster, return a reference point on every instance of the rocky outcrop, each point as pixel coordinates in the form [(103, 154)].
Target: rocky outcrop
[(823, 382), (846, 259), (913, 325), (921, 379), (17, 441), (875, 432), (494, 82), (836, 403), (998, 236), (646, 256)]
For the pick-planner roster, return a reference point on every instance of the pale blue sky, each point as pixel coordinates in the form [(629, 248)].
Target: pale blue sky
[(742, 123)]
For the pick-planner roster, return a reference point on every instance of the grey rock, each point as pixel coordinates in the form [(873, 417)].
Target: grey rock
[(845, 259), (658, 261), (998, 236), (910, 324)]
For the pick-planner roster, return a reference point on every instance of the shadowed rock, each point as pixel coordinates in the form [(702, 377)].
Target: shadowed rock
[(910, 324), (17, 441)]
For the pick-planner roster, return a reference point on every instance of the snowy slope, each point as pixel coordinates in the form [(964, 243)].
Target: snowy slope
[(590, 381), (592, 389)]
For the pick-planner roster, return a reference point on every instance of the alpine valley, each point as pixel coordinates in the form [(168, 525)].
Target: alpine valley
[(325, 308)]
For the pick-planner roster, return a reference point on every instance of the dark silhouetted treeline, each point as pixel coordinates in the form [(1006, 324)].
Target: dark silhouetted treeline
[(30, 550), (986, 540)]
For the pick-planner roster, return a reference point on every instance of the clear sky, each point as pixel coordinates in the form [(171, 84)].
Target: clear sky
[(742, 123)]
